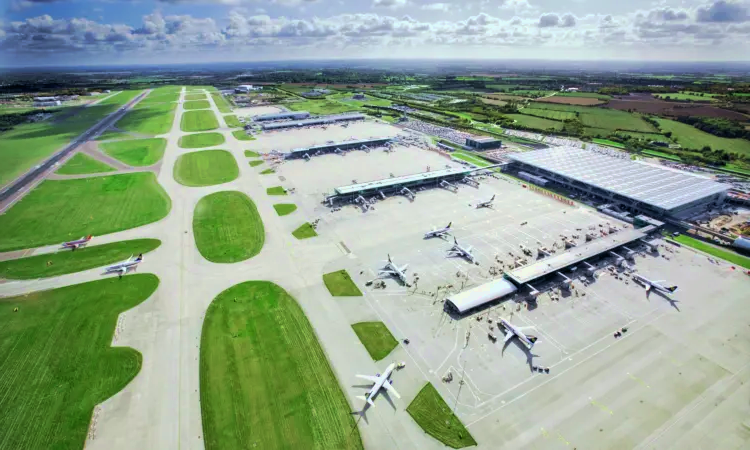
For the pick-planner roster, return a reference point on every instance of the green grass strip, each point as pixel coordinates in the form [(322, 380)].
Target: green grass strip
[(195, 97), (232, 121), (265, 381), (82, 163), (221, 102), (227, 227), (340, 284), (251, 154), (376, 338), (202, 120), (201, 140), (732, 257), (138, 152), (305, 231), (196, 104), (276, 190), (268, 172), (206, 168), (58, 359), (66, 261), (283, 209), (241, 135), (434, 416)]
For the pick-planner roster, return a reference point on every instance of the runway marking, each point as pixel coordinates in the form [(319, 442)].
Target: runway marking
[(635, 378), (600, 406)]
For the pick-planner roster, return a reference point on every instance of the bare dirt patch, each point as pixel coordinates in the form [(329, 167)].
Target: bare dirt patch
[(644, 103)]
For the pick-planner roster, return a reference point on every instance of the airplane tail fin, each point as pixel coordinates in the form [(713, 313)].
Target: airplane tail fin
[(493, 197), (449, 224), (140, 257), (89, 237), (672, 289)]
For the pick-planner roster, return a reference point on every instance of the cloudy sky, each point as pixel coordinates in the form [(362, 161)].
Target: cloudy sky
[(52, 32)]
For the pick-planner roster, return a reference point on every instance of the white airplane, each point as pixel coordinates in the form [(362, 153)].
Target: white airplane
[(77, 243), (379, 382), (438, 232), (463, 252), (654, 285), (123, 267), (512, 331), (486, 204), (391, 269)]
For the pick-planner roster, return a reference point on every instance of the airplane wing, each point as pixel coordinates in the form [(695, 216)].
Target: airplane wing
[(523, 329), (469, 249), (508, 336), (403, 268), (368, 378), (123, 270), (389, 387)]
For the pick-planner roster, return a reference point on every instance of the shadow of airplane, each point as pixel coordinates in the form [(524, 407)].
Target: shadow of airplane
[(526, 351), (672, 302)]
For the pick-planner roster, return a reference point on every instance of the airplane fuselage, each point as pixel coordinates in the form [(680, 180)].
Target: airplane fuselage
[(654, 285), (510, 328), (381, 381)]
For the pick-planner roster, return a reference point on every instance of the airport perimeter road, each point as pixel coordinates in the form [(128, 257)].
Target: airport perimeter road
[(16, 189)]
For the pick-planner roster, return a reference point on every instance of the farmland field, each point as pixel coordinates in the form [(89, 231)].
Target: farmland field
[(376, 338), (661, 155), (205, 168), (28, 144), (644, 136), (571, 100), (608, 142), (265, 381), (201, 140), (227, 227), (202, 120), (321, 106), (688, 96), (535, 122), (95, 205), (693, 138), (584, 95), (66, 261), (549, 114), (136, 153), (82, 163), (153, 119), (58, 359)]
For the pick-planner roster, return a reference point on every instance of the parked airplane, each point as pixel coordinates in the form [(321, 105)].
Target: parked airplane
[(77, 243), (438, 232), (123, 267), (654, 285), (512, 331), (391, 269), (463, 252), (379, 382), (486, 204)]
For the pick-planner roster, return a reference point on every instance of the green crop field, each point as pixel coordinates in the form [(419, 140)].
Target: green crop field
[(276, 190), (82, 163), (536, 123), (549, 113), (732, 257), (227, 227), (284, 209), (612, 119), (584, 95), (265, 381), (136, 153), (304, 231), (251, 154), (57, 211), (66, 261), (206, 168), (687, 96), (221, 102), (241, 135), (608, 142), (203, 120), (661, 155), (195, 97), (152, 119), (267, 172), (58, 359), (434, 416), (690, 137), (322, 106), (340, 284), (201, 140), (196, 104), (232, 121), (28, 144), (376, 338), (644, 136)]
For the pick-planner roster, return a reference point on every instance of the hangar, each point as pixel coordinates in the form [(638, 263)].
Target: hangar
[(636, 186)]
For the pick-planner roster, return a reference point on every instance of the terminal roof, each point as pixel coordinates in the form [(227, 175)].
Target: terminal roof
[(340, 144), (660, 187), (380, 184)]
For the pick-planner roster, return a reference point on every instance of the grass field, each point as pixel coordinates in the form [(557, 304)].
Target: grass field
[(227, 227), (151, 119), (284, 209), (434, 416), (221, 102), (376, 338), (536, 123), (255, 163), (195, 97), (265, 381), (95, 205), (199, 121), (736, 169), (690, 137), (66, 261), (596, 117), (28, 144), (58, 362), (196, 104), (82, 163), (644, 136), (241, 135), (583, 95), (687, 96), (304, 231), (136, 153), (206, 168), (608, 142), (267, 172), (732, 257), (198, 88), (232, 121), (251, 154), (340, 284), (549, 113), (322, 106), (160, 97), (201, 140), (661, 155), (276, 190), (470, 158)]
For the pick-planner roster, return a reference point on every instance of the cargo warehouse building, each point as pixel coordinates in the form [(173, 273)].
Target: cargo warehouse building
[(637, 187), (483, 143)]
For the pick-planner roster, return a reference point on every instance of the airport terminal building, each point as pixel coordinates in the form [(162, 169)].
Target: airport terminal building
[(634, 186), (321, 120), (291, 115)]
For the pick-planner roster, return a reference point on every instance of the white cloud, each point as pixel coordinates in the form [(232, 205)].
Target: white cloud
[(437, 7), (392, 4)]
